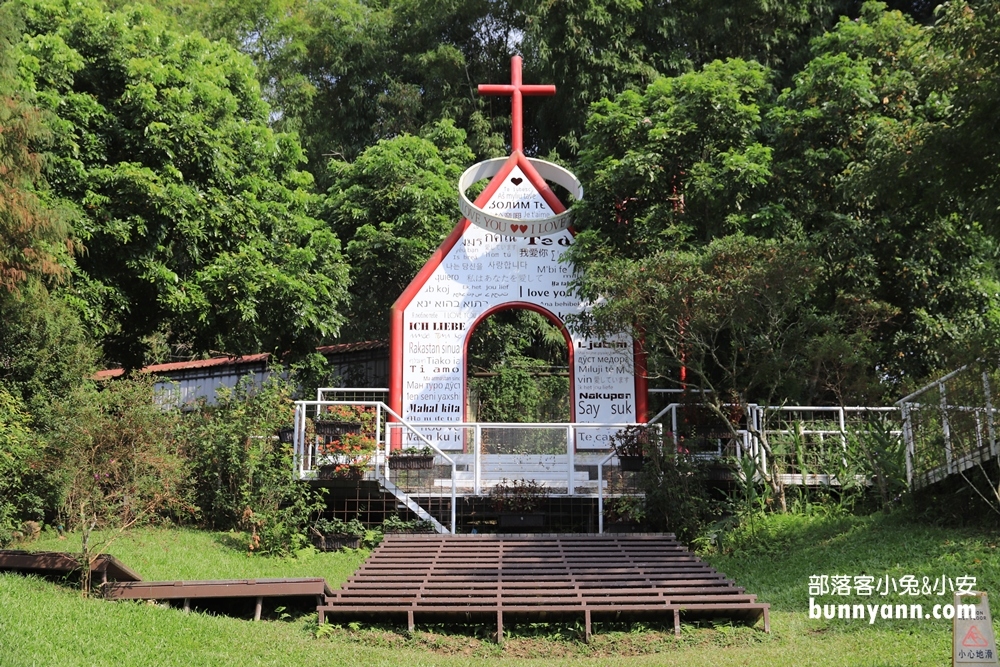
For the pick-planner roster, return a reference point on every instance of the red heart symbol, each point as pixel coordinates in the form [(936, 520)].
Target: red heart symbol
[(516, 181), (520, 228)]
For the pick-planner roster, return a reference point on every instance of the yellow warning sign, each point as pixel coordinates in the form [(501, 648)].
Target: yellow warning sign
[(972, 632)]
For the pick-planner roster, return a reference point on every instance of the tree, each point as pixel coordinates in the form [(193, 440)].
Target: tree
[(394, 205), (193, 212), (961, 151), (680, 163), (840, 160), (44, 353), (736, 314), (862, 174), (34, 242)]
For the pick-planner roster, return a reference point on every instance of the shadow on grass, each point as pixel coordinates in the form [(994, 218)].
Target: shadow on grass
[(232, 541)]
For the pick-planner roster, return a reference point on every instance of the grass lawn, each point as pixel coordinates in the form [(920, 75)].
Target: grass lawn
[(42, 623)]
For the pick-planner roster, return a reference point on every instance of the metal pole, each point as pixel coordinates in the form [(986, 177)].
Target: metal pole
[(600, 497), (908, 442), (989, 414), (477, 462), (297, 440), (570, 486), (946, 427)]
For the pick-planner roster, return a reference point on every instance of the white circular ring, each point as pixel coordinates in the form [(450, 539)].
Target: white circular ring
[(513, 226)]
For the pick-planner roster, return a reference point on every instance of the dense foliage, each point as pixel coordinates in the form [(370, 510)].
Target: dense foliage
[(794, 201), (839, 165), (190, 207)]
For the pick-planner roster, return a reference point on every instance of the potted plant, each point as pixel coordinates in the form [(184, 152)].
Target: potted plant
[(336, 421), (347, 457), (631, 445), (335, 534), (395, 525), (516, 502), (412, 458), (286, 434)]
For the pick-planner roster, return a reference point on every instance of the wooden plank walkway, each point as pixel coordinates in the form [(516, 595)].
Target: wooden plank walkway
[(105, 567), (118, 582), (539, 577), (312, 589)]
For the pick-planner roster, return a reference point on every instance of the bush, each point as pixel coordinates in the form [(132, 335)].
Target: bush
[(25, 490), (116, 456), (243, 477), (678, 499)]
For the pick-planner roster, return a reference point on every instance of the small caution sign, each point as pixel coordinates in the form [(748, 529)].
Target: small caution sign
[(975, 638), (973, 643)]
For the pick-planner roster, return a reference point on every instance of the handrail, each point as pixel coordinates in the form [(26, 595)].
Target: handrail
[(301, 406), (577, 450), (936, 383)]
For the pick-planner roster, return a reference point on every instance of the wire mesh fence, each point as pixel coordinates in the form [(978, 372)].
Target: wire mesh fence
[(949, 425)]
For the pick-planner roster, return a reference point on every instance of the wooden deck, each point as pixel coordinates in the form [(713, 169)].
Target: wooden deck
[(105, 567), (544, 577), (310, 590), (116, 581)]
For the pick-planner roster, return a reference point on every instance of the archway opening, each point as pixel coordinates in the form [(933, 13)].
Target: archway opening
[(518, 368)]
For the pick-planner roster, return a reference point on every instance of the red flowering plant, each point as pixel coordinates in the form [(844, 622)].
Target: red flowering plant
[(347, 456), (348, 443), (349, 446)]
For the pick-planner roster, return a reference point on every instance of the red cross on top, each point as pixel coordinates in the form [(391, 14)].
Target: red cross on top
[(515, 89)]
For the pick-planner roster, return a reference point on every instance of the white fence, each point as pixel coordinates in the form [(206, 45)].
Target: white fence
[(949, 426)]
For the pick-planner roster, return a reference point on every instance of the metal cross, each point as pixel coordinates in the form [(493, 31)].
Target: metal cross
[(516, 89)]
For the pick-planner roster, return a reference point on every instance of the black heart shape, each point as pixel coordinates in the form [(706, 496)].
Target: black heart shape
[(516, 181)]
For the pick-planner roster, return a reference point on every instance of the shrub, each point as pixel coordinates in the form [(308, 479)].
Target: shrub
[(117, 459), (678, 498), (243, 477), (25, 489)]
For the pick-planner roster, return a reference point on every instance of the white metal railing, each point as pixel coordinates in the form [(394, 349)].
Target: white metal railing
[(562, 458), (307, 454), (949, 425), (529, 451)]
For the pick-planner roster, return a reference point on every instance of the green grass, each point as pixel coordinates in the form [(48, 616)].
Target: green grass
[(42, 623), (181, 553)]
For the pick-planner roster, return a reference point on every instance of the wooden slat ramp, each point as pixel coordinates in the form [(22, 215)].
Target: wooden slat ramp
[(119, 582), (309, 590), (105, 567), (539, 578)]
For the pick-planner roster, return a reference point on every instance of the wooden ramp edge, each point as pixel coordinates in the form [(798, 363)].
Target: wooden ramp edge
[(540, 578), (105, 568), (119, 582), (313, 589)]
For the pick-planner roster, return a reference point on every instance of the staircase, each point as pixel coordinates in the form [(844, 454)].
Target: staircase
[(411, 578)]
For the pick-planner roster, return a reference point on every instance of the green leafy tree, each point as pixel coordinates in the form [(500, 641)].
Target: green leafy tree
[(193, 212), (34, 243), (594, 49), (862, 173), (840, 160), (394, 206), (681, 163)]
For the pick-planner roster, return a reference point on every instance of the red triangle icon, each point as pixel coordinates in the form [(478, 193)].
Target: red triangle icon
[(974, 638)]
